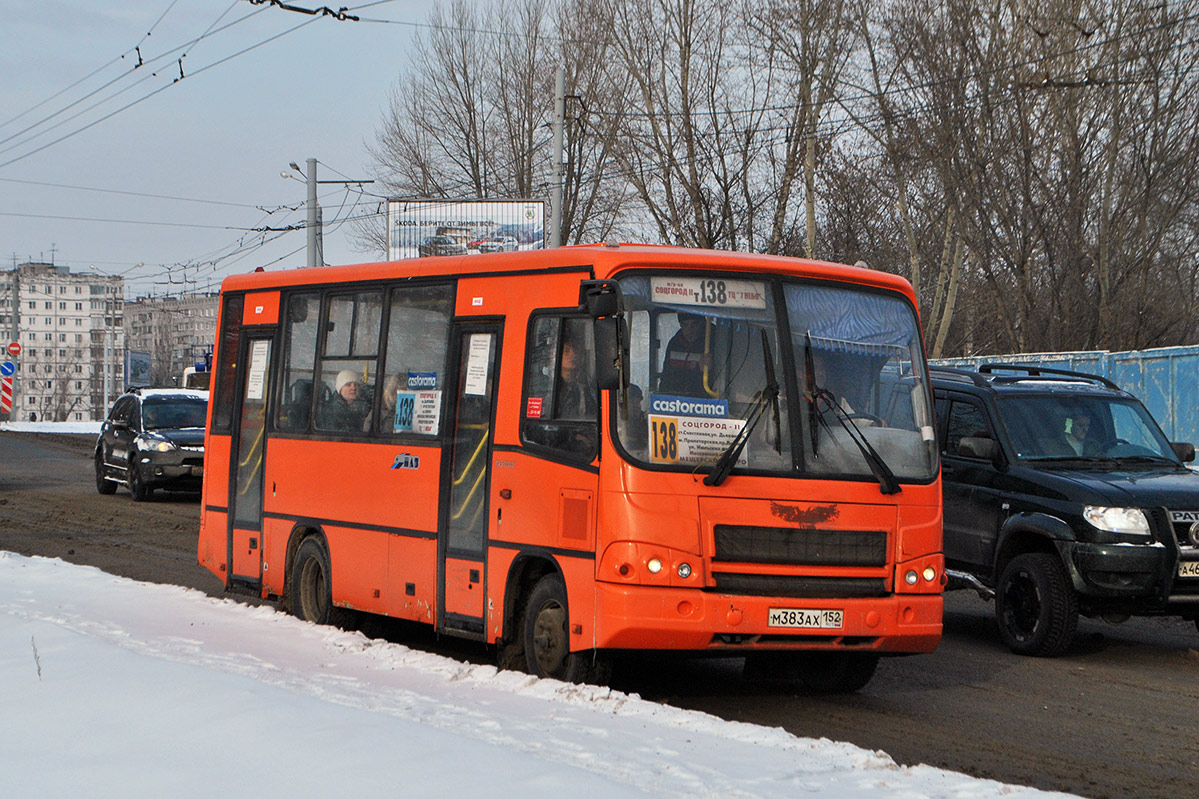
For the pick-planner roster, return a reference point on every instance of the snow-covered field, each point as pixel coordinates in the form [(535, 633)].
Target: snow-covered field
[(111, 687), (52, 427)]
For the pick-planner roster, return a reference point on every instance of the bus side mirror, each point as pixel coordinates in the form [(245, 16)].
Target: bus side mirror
[(611, 353), (1184, 450), (600, 298)]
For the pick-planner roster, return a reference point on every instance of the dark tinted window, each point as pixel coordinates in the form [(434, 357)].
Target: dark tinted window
[(173, 412), (965, 419), (226, 366)]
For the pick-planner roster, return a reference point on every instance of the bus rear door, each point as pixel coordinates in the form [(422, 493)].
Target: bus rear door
[(248, 453)]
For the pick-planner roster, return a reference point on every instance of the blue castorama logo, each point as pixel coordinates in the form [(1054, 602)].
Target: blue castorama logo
[(688, 406), (422, 380), (406, 461)]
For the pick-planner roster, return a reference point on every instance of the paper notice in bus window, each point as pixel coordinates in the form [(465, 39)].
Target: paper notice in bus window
[(477, 359), (693, 440), (707, 291), (417, 412), (256, 379)]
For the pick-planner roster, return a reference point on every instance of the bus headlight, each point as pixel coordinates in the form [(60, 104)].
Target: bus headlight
[(911, 578), (654, 565), (930, 573), (684, 570)]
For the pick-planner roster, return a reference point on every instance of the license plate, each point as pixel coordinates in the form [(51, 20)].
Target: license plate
[(1188, 568), (805, 619)]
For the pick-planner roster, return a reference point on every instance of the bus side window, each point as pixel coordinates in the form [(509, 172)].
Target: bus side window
[(561, 399), (295, 398), (226, 365), (418, 335), (348, 370)]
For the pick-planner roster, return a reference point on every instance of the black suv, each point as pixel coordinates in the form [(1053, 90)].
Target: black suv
[(1063, 496), (153, 438)]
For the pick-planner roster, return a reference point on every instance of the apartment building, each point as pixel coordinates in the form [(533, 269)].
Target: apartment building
[(176, 332), (71, 329)]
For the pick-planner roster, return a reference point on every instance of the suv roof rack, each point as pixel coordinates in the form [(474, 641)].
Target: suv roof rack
[(1042, 372), (963, 375)]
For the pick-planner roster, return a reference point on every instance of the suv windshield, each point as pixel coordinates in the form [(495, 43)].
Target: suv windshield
[(166, 413), (1072, 426), (846, 362)]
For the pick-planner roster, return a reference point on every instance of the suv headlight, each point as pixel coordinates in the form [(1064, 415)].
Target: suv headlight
[(1130, 521), (156, 445)]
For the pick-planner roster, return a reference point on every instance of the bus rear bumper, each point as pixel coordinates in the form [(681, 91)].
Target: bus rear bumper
[(642, 617)]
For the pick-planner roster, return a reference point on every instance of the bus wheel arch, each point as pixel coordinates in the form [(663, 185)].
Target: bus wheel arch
[(525, 572), (307, 589), (545, 624)]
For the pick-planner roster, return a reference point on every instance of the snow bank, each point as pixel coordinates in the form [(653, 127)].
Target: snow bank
[(115, 687), (52, 427)]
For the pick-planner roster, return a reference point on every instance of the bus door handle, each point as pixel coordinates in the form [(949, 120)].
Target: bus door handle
[(505, 493)]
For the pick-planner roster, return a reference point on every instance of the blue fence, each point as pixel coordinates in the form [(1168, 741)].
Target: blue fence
[(1165, 379)]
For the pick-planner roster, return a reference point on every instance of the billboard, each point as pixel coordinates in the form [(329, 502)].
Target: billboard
[(137, 368), (463, 227)]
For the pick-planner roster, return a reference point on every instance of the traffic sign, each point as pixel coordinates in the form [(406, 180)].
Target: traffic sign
[(14, 348), (5, 394), (7, 368)]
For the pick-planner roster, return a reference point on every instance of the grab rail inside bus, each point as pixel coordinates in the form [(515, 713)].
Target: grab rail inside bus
[(711, 392), (475, 455)]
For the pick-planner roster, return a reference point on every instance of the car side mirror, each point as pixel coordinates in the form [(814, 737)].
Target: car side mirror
[(986, 449), (1184, 450), (119, 424)]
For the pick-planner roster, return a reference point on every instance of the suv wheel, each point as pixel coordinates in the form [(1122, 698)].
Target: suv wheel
[(103, 485), (140, 491), (1035, 606)]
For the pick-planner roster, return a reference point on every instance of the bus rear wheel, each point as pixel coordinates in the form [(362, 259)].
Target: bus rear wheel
[(547, 638), (309, 593)]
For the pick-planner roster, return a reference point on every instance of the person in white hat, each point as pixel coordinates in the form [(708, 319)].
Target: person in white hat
[(347, 410)]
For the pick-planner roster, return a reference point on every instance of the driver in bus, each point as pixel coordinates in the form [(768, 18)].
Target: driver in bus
[(683, 369)]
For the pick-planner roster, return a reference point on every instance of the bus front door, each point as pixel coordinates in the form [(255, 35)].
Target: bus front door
[(462, 543), (247, 460)]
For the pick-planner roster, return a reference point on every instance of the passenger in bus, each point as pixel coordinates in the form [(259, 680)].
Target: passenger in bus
[(390, 388), (347, 409), (683, 369)]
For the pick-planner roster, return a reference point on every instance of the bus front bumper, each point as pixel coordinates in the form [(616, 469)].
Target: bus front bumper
[(642, 617)]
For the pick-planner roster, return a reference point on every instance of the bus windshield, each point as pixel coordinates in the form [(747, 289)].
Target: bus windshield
[(708, 353)]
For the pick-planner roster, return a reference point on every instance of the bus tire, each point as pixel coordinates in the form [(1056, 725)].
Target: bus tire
[(1035, 606), (547, 639), (309, 591)]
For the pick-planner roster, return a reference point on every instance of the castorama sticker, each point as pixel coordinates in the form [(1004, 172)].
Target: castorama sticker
[(688, 406)]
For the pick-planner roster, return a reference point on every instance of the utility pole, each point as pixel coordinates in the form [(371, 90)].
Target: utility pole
[(314, 217), (559, 122), (315, 225)]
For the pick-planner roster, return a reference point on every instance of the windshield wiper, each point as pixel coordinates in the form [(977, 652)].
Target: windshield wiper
[(768, 396), (878, 467), (810, 395)]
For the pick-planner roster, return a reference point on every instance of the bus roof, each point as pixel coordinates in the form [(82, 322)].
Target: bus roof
[(604, 260)]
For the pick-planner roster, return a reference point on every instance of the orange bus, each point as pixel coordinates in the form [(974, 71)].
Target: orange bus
[(564, 453)]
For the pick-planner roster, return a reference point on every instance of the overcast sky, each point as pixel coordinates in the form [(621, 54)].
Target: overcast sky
[(222, 134)]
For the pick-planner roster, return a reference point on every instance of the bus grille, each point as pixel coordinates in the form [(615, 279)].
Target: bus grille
[(801, 586), (791, 547)]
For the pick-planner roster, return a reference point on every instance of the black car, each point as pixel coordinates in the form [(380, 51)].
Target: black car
[(1063, 497), (152, 438)]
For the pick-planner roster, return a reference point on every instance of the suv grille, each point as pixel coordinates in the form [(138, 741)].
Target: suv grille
[(792, 547)]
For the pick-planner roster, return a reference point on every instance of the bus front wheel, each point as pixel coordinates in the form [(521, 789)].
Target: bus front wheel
[(547, 638)]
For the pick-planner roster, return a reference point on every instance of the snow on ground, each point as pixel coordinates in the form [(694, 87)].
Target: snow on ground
[(52, 427), (111, 687)]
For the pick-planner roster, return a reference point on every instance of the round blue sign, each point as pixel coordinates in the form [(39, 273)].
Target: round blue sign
[(7, 368)]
